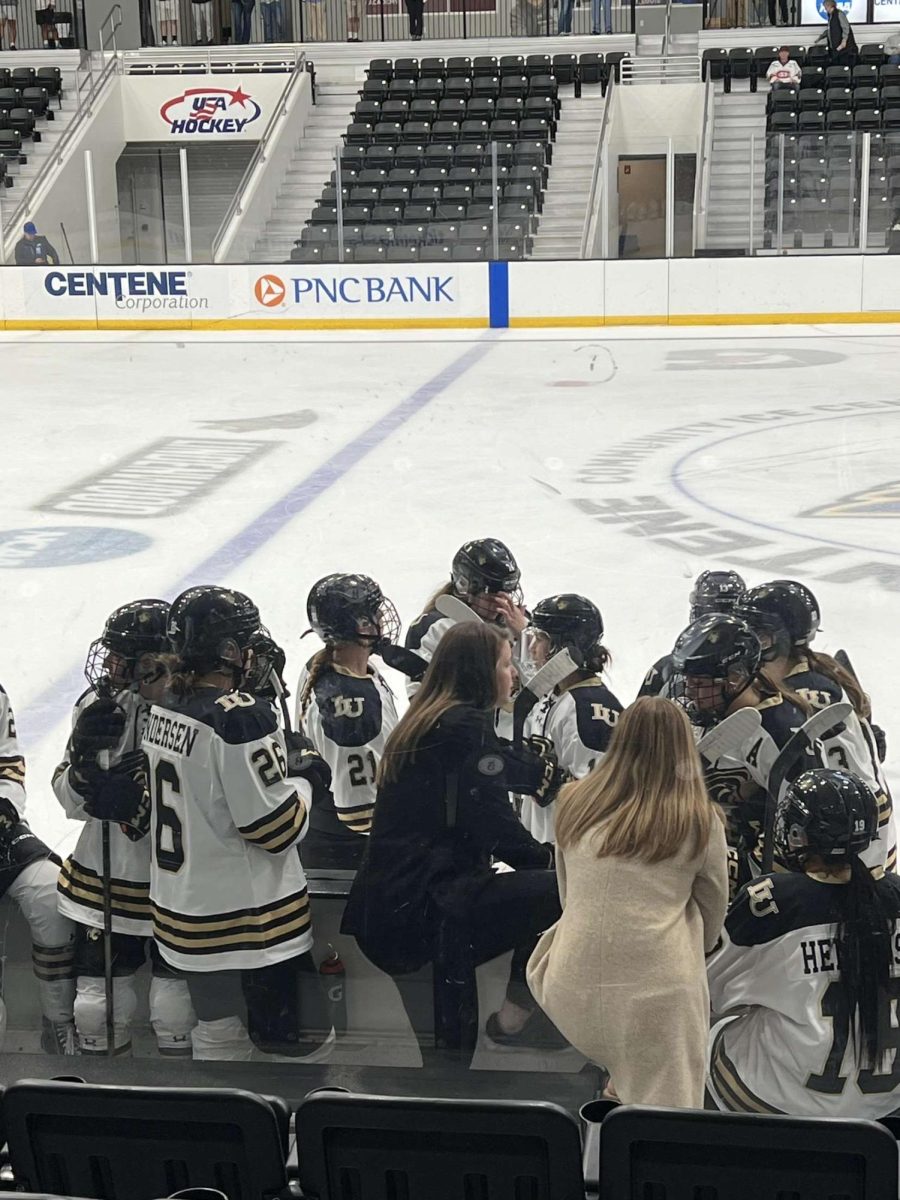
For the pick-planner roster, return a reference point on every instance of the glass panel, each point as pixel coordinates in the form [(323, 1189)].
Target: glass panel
[(812, 190)]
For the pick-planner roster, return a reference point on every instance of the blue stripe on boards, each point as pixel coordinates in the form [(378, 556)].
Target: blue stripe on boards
[(498, 294), (55, 702)]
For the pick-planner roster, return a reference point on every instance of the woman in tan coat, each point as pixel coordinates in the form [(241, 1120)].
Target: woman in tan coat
[(642, 872)]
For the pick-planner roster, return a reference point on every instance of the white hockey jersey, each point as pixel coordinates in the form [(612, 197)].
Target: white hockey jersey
[(422, 637), (12, 762), (784, 1044), (80, 879), (348, 719), (854, 750), (579, 723), (227, 889)]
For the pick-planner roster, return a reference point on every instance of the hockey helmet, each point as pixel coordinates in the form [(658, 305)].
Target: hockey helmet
[(714, 660), (715, 591), (570, 622), (202, 620), (352, 608), (485, 565), (130, 632), (826, 812), (784, 611)]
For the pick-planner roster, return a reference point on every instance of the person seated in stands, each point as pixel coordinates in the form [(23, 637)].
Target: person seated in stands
[(892, 48), (427, 891), (784, 71), (35, 250), (642, 867), (806, 979)]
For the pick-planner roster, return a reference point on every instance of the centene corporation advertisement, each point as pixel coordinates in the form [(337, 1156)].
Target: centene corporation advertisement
[(245, 296), (812, 12), (886, 10)]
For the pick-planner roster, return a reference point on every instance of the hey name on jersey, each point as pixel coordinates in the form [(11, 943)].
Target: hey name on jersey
[(170, 734)]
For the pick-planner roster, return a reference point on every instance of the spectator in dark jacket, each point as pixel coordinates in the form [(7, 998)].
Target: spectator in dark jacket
[(838, 35), (426, 891), (34, 250)]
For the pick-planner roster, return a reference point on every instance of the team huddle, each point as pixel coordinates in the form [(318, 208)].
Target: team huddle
[(203, 797)]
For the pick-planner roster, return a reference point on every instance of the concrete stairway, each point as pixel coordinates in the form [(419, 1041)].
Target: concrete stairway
[(736, 118), (308, 172), (565, 201), (24, 174)]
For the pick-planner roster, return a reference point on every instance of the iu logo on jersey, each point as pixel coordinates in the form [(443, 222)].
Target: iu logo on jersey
[(348, 706)]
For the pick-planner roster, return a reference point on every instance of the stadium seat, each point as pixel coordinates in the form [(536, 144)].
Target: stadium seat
[(738, 1156), (375, 89), (437, 1148), (817, 55), (811, 122), (396, 110), (811, 100), (21, 121), (486, 85), (22, 77), (783, 98), (512, 64), (431, 89), (837, 119), (867, 119), (714, 63), (459, 66), (798, 54), (565, 66), (538, 64), (451, 108), (838, 97), (614, 60), (367, 112), (514, 85), (866, 97), (367, 253), (460, 87), (741, 63), (436, 252), (865, 75), (380, 68), (50, 79), (873, 53), (837, 77), (889, 74), (402, 253), (60, 1133), (510, 108), (592, 68), (763, 57), (485, 64), (432, 68), (470, 252), (783, 122), (406, 68)]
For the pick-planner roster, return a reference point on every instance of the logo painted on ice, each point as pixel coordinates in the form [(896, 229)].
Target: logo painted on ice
[(67, 545), (881, 501), (269, 290), (210, 110)]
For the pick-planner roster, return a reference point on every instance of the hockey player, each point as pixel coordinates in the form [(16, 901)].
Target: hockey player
[(785, 616), (578, 716), (227, 890), (808, 974), (485, 576), (713, 592), (109, 718), (347, 710), (28, 873), (718, 658)]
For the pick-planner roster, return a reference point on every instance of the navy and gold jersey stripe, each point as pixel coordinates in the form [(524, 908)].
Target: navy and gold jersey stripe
[(53, 962), (358, 817), (13, 768), (244, 929), (277, 830), (83, 886), (729, 1086)]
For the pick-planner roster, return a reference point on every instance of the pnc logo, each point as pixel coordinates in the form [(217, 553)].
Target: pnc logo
[(269, 290)]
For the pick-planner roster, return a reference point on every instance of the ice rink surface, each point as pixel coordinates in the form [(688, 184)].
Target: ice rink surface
[(618, 465)]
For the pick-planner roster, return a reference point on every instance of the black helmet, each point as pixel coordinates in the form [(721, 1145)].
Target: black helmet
[(485, 565), (719, 648), (268, 661), (339, 604), (130, 632), (785, 610), (715, 591), (203, 618), (826, 812), (573, 623)]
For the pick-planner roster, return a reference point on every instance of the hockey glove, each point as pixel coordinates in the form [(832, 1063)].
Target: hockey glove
[(554, 776), (9, 817), (99, 727), (531, 770), (120, 798), (305, 762), (880, 741)]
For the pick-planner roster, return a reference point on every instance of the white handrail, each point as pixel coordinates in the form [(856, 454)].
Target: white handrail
[(701, 182), (257, 162), (590, 223)]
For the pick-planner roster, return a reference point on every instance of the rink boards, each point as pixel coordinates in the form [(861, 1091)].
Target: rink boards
[(653, 292)]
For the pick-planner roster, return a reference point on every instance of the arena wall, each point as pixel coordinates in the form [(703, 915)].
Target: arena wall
[(798, 290)]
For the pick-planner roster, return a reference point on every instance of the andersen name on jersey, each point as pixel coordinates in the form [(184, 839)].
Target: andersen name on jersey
[(789, 1048), (227, 889), (81, 878)]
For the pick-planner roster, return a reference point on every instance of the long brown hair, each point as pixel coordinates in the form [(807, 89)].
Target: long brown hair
[(462, 671), (317, 664), (650, 783), (832, 669)]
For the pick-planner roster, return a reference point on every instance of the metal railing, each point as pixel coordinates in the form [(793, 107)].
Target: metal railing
[(91, 78), (589, 231), (257, 163), (210, 60), (701, 180), (670, 68)]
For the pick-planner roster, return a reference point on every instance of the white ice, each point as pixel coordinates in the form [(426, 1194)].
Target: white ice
[(499, 450)]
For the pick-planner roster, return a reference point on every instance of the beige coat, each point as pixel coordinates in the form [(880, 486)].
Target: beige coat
[(622, 973)]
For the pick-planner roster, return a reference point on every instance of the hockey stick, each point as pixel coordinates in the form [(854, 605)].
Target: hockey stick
[(820, 724), (729, 735), (459, 612), (559, 667), (103, 762), (407, 662), (842, 658)]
